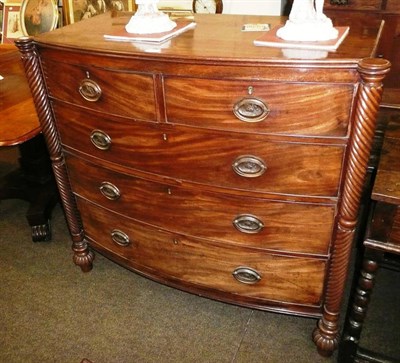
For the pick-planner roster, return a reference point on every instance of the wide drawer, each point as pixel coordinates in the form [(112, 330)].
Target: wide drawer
[(107, 91), (236, 220), (300, 109), (244, 162), (263, 276)]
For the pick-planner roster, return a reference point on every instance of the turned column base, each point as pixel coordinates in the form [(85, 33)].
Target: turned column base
[(326, 334), (83, 256)]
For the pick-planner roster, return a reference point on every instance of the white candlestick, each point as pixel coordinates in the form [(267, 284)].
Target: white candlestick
[(307, 22), (148, 19)]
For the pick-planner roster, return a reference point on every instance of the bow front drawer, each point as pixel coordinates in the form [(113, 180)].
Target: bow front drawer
[(109, 91), (237, 161), (260, 107)]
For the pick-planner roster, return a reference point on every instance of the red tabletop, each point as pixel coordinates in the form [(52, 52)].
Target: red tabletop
[(18, 118)]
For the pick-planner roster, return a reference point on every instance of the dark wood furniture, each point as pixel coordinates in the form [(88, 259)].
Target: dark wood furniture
[(381, 244), (19, 125), (369, 10), (211, 165)]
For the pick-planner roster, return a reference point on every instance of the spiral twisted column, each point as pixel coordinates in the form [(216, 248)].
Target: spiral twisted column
[(83, 257), (372, 72)]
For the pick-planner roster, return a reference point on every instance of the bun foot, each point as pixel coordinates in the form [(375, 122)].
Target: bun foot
[(84, 259), (325, 339)]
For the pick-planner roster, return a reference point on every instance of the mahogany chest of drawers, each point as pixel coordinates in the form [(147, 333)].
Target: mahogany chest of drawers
[(211, 165)]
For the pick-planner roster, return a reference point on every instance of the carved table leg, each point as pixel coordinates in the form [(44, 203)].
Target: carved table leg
[(33, 182)]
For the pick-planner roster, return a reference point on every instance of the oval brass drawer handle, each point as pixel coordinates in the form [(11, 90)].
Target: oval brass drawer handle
[(251, 110), (248, 223), (90, 90), (246, 275), (249, 166), (120, 238), (110, 191), (100, 139)]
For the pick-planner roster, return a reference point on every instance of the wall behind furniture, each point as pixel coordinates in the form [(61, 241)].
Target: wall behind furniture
[(256, 7)]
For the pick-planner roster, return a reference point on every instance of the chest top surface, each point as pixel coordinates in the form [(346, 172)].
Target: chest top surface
[(216, 38)]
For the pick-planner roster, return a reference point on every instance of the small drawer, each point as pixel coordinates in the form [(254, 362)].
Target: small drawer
[(259, 107), (107, 91), (239, 271), (220, 159), (235, 220)]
